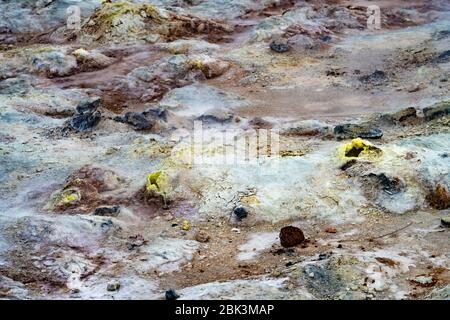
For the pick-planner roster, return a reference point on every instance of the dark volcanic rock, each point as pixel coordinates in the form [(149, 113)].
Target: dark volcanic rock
[(279, 46), (387, 184), (437, 111), (376, 77), (107, 211), (351, 131), (445, 221), (139, 121), (156, 113), (88, 106), (84, 122), (171, 295), (87, 115), (291, 236), (240, 213)]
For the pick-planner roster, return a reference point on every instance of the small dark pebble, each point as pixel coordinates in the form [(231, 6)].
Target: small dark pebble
[(279, 46), (240, 213), (326, 38), (323, 256), (171, 295), (107, 211)]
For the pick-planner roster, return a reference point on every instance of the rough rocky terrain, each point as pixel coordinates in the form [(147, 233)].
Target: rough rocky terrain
[(105, 192)]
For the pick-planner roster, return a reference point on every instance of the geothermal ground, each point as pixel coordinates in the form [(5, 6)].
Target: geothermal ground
[(107, 191)]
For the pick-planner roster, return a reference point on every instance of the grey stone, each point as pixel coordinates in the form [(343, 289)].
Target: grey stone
[(113, 286), (351, 131), (437, 111), (107, 211), (279, 46), (84, 122), (138, 121), (88, 106)]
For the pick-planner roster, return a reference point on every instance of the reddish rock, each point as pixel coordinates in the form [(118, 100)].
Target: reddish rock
[(291, 236), (440, 198), (331, 230)]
